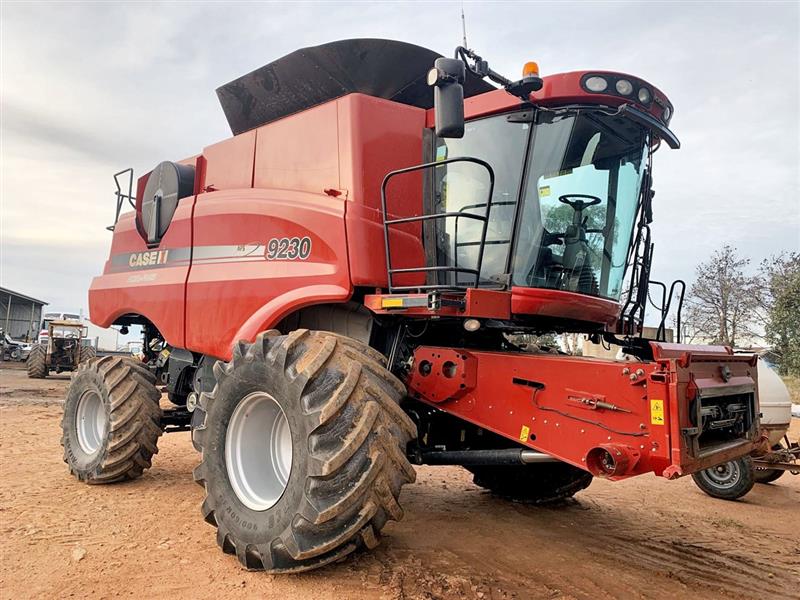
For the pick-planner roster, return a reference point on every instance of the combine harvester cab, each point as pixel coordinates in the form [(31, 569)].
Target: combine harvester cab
[(338, 291)]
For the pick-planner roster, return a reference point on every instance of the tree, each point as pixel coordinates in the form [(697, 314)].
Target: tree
[(780, 304), (723, 302)]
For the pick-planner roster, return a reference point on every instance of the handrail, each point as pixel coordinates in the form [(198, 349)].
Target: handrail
[(122, 197), (666, 304), (422, 218)]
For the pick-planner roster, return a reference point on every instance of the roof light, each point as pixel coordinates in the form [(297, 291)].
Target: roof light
[(624, 87), (531, 69), (644, 95), (596, 84)]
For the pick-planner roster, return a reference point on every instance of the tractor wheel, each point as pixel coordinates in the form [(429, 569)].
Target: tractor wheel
[(767, 475), (112, 420), (543, 483), (37, 362), (303, 450), (87, 352), (728, 481)]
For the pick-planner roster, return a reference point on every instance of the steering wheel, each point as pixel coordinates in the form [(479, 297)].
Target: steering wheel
[(579, 201)]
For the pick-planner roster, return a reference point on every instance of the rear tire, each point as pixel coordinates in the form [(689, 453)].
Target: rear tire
[(728, 481), (543, 483), (86, 353), (333, 482), (112, 420), (37, 362), (767, 475)]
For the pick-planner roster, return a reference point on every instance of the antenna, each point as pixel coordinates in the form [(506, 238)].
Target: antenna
[(463, 27)]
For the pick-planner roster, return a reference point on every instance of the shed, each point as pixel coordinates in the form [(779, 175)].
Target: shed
[(20, 314)]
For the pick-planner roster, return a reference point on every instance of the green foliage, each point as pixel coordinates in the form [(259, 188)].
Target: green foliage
[(781, 302)]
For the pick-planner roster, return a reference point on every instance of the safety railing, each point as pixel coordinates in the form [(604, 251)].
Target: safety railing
[(121, 197), (430, 269), (666, 305)]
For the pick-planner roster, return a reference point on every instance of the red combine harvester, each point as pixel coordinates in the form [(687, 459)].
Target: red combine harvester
[(338, 292)]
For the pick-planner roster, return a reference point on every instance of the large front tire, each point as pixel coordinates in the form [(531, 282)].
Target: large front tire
[(303, 450), (37, 362), (112, 420), (543, 483)]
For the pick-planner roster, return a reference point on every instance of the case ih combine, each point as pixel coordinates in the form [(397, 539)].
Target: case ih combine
[(333, 295)]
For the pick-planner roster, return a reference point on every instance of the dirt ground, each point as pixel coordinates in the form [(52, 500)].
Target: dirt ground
[(643, 538)]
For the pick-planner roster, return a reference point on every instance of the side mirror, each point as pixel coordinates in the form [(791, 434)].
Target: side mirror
[(447, 78)]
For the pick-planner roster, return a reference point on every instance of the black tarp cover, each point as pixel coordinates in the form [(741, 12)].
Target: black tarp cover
[(310, 76)]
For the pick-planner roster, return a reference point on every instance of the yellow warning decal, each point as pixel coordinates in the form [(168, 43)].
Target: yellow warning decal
[(391, 303), (656, 412), (544, 191), (524, 433)]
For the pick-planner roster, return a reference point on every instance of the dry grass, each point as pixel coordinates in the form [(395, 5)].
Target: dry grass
[(793, 383)]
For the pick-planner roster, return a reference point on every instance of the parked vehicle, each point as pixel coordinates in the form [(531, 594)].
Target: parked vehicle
[(14, 349), (48, 317), (66, 347), (324, 311)]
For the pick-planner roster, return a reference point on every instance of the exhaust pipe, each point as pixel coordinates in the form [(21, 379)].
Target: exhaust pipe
[(508, 456)]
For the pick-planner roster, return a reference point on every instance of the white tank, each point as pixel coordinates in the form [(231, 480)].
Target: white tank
[(776, 404)]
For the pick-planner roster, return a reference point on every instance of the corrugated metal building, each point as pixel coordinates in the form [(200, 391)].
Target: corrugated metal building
[(20, 315)]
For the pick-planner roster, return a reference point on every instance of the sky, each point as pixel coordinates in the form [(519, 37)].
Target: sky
[(89, 89)]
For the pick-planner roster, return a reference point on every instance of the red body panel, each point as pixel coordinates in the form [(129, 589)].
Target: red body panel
[(569, 305), (155, 291), (375, 137), (233, 291), (316, 174)]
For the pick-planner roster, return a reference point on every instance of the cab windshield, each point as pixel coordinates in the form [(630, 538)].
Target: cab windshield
[(577, 174)]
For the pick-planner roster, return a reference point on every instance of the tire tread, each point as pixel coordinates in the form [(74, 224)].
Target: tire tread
[(364, 403), (134, 420)]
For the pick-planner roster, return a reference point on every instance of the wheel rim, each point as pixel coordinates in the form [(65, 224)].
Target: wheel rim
[(723, 476), (258, 451), (91, 421)]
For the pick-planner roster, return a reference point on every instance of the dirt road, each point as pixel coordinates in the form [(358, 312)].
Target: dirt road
[(644, 538)]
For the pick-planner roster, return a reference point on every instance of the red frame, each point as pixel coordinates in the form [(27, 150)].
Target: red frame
[(577, 408)]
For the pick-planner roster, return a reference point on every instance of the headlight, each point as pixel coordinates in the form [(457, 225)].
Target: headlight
[(666, 114), (596, 84), (624, 87), (644, 96)]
